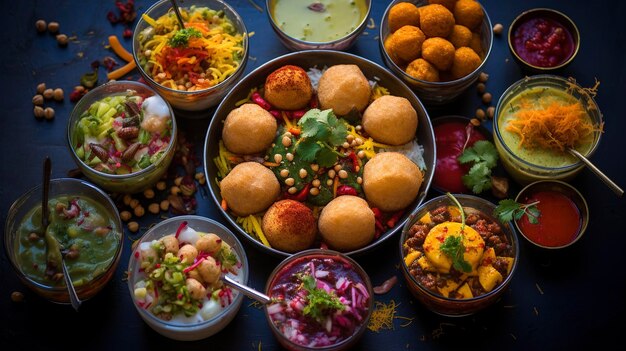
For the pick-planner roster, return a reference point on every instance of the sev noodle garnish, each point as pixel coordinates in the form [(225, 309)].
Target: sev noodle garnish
[(383, 316)]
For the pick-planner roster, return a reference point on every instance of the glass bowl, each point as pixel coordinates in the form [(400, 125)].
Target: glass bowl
[(333, 271), (551, 235), (525, 166), (198, 100), (435, 93), (17, 238), (179, 328), (296, 44), (434, 298), (556, 18), (120, 179)]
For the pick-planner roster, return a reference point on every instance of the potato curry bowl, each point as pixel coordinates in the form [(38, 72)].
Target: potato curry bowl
[(319, 149)]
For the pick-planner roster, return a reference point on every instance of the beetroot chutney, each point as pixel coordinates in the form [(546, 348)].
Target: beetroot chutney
[(450, 138), (543, 42), (559, 222), (305, 281)]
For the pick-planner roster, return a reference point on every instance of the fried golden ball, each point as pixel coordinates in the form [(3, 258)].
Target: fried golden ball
[(436, 21), (249, 129), (402, 14), (249, 188), (347, 223), (391, 181), (468, 13), (460, 36), (343, 88), (390, 120), (407, 42), (476, 44), (439, 52), (289, 226), (388, 44), (465, 62), (422, 69), (449, 4), (288, 88)]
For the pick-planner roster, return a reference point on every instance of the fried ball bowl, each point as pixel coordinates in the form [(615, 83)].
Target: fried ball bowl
[(390, 120), (403, 14), (248, 129), (347, 223), (289, 226), (249, 188), (460, 36), (407, 42), (468, 13), (391, 181), (439, 52), (465, 62), (436, 20), (423, 70), (343, 88), (288, 88)]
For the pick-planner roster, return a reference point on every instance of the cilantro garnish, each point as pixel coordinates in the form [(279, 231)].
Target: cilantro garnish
[(319, 302), (181, 37), (508, 209), (321, 133), (484, 156), (453, 245)]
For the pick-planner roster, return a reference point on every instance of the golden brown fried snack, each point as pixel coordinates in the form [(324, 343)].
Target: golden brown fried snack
[(288, 88), (439, 52), (248, 129), (347, 223), (388, 44), (402, 14), (249, 188), (343, 88), (436, 21), (449, 4), (422, 69), (468, 13), (391, 181), (390, 120), (289, 226), (407, 43), (460, 36), (476, 44), (465, 62)]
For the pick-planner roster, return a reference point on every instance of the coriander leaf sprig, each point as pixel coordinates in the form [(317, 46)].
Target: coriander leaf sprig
[(509, 209), (321, 133), (181, 37), (319, 302), (484, 156), (453, 245)]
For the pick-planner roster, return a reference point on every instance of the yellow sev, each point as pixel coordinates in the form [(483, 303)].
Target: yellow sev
[(556, 126)]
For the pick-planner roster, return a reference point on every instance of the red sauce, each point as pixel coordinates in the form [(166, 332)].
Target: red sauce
[(450, 138), (559, 221), (543, 42)]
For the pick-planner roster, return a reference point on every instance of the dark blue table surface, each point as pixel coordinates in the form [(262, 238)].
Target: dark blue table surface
[(567, 299)]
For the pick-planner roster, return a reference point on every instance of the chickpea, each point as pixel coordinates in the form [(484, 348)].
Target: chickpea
[(139, 211), (483, 77), (187, 253), (59, 207), (195, 288), (289, 156), (41, 87), (33, 237), (133, 226), (360, 154), (345, 145), (170, 243), (148, 193), (350, 138), (178, 181), (38, 112), (292, 190), (125, 215), (359, 141), (133, 203), (302, 173), (161, 185), (164, 205), (331, 173), (480, 113), (38, 100), (498, 28), (41, 26), (48, 94), (101, 231), (127, 199), (480, 87), (17, 296), (209, 243), (72, 254), (200, 177), (343, 174), (316, 183), (314, 191), (174, 190), (154, 208), (286, 141), (48, 113), (53, 27), (209, 270), (62, 39), (290, 181), (284, 173), (487, 98), (359, 180), (491, 111), (329, 182), (315, 167), (475, 122), (278, 158), (79, 88)]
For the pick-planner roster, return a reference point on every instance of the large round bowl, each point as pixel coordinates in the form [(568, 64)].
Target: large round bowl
[(133, 182), (31, 200), (435, 93), (182, 329), (320, 59), (435, 300), (199, 100)]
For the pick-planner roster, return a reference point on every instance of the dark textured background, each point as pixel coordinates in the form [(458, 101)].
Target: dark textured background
[(582, 304)]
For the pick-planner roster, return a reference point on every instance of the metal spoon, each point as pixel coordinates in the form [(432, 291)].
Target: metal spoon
[(181, 23), (246, 290), (51, 241), (616, 189)]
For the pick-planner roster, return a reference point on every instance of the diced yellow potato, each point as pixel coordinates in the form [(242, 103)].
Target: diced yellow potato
[(454, 211), (465, 291), (473, 242), (451, 285), (426, 218), (488, 257), (412, 256), (425, 264), (488, 277), (509, 261)]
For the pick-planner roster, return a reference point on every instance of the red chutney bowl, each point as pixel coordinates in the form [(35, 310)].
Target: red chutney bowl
[(543, 40), (451, 135), (564, 214)]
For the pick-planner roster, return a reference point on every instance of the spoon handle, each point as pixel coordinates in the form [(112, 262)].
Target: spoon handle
[(616, 189), (178, 15), (246, 290), (70, 287)]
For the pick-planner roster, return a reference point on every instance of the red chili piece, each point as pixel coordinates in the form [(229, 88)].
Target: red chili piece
[(385, 286), (394, 219), (257, 99), (300, 196), (354, 159), (182, 226), (346, 190)]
